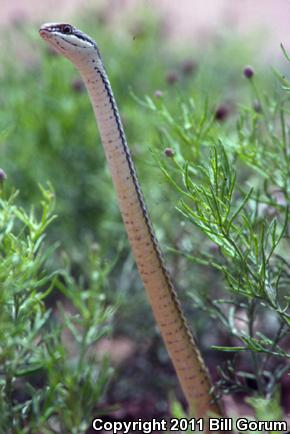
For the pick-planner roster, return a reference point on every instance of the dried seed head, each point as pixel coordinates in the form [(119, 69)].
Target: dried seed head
[(248, 72), (169, 152)]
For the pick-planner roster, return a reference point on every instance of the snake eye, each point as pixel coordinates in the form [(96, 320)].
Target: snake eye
[(66, 29)]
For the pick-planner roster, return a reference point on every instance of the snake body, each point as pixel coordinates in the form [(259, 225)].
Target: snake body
[(82, 51)]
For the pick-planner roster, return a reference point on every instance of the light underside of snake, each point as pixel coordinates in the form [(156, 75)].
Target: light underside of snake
[(82, 51)]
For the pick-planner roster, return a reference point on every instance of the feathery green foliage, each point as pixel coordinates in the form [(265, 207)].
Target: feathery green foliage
[(47, 383), (234, 188)]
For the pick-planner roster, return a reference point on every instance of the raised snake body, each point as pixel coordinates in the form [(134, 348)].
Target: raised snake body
[(186, 358)]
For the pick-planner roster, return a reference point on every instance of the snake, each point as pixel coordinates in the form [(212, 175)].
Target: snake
[(183, 351)]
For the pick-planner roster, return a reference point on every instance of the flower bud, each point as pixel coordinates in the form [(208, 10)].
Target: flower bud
[(169, 152), (248, 72), (221, 113)]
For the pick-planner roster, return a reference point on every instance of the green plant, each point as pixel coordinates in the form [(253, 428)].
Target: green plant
[(48, 119), (234, 188), (51, 378)]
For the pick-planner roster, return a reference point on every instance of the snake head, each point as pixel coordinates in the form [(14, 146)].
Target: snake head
[(68, 40)]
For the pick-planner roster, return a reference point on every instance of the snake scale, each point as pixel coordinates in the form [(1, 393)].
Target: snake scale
[(193, 376)]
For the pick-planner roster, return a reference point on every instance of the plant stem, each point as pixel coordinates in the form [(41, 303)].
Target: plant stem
[(251, 313)]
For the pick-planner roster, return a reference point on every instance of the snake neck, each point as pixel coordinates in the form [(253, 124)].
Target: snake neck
[(188, 363), (102, 97)]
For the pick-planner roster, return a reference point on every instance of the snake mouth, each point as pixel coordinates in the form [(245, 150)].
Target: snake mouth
[(45, 33)]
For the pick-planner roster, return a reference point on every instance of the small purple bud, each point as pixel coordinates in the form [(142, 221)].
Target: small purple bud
[(158, 93), (248, 72), (171, 78), (221, 113), (3, 176), (169, 152)]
